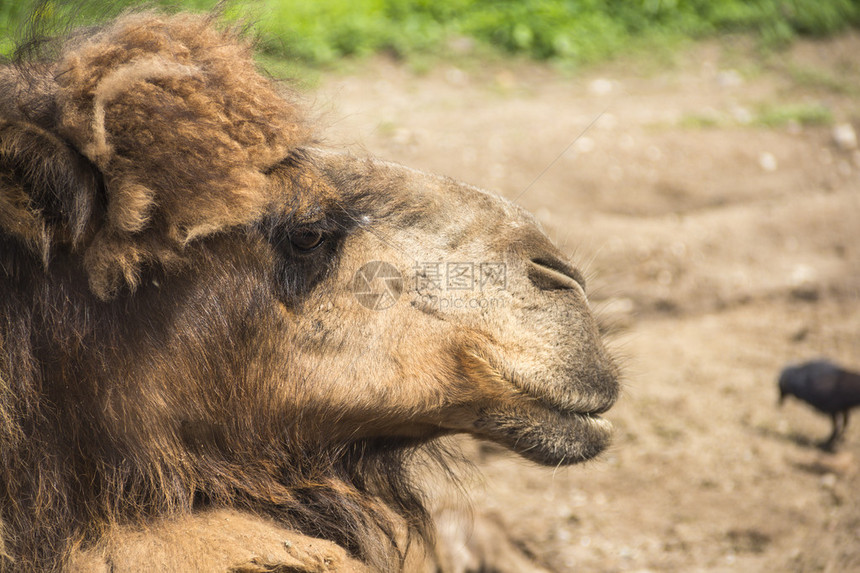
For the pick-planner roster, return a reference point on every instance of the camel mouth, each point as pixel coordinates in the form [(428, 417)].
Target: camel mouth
[(548, 428), (546, 436)]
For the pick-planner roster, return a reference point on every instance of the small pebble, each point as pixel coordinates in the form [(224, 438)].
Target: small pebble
[(845, 137), (584, 144), (601, 86), (742, 115), (767, 161), (456, 76), (653, 153), (828, 480), (729, 79)]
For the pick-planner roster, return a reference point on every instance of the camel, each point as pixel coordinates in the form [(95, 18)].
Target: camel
[(221, 345)]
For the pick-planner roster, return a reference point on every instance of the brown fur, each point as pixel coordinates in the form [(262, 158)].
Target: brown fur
[(218, 540), (169, 346), (221, 125)]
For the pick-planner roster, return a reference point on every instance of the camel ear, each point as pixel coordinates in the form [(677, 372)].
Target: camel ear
[(48, 191)]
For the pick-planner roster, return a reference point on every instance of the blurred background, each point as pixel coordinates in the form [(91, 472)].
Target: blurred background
[(575, 32), (699, 159)]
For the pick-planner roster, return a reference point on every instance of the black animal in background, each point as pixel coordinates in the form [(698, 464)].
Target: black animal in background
[(827, 388)]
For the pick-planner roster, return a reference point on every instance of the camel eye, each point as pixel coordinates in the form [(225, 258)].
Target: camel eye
[(306, 240)]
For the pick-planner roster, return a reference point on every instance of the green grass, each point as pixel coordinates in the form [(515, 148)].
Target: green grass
[(801, 114), (578, 31), (770, 115), (702, 121), (572, 31), (827, 81)]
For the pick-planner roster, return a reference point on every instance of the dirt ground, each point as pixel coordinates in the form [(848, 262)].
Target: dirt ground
[(718, 250)]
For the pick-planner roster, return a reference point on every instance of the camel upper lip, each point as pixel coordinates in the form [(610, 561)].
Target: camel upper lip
[(590, 406), (568, 410)]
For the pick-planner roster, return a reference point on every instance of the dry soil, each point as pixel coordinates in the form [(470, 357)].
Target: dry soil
[(719, 225)]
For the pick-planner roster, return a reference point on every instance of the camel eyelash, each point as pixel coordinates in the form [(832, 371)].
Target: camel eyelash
[(307, 239)]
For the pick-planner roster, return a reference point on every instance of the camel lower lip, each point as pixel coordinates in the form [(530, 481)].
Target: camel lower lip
[(547, 436), (550, 429)]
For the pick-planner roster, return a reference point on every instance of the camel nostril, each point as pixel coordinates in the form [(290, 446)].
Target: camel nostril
[(550, 273)]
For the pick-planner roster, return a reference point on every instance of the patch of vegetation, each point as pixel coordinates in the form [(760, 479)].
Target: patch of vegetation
[(581, 31), (823, 80), (48, 17), (801, 114), (767, 115), (702, 121), (573, 31)]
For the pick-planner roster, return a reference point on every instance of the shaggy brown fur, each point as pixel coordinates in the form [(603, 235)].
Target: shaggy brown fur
[(177, 331), (197, 170)]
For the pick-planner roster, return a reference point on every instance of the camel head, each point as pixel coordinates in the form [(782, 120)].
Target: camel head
[(389, 303), (198, 306), (443, 308)]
